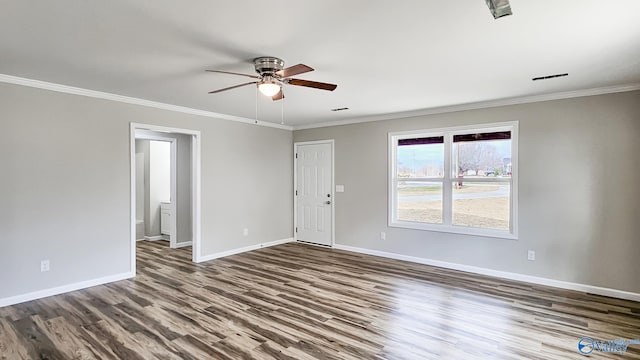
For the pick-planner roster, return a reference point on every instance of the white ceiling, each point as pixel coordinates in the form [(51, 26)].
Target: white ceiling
[(386, 57)]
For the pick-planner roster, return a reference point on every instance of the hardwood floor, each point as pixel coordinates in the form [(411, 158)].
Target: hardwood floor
[(297, 301)]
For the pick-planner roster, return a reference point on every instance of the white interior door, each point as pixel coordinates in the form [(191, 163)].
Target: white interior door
[(314, 195)]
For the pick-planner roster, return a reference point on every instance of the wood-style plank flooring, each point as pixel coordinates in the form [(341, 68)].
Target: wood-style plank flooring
[(296, 301)]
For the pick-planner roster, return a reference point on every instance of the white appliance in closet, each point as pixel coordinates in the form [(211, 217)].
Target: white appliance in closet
[(166, 212)]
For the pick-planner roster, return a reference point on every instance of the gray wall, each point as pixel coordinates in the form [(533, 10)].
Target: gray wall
[(65, 185), (579, 189), (183, 195), (142, 171)]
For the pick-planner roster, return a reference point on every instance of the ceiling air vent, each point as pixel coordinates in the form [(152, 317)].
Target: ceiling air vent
[(549, 77), (499, 8), (340, 109)]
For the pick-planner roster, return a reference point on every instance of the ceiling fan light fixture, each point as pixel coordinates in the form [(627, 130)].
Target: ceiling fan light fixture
[(499, 8), (268, 86)]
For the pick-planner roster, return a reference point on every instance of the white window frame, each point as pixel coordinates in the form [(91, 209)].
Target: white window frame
[(448, 180)]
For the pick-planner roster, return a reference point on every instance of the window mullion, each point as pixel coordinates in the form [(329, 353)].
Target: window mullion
[(447, 191)]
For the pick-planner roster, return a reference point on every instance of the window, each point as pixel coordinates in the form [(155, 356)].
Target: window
[(460, 180)]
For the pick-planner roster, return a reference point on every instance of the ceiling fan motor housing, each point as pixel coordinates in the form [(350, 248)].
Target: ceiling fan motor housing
[(267, 65)]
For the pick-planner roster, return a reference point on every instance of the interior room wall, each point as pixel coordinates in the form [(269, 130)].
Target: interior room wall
[(159, 182), (66, 187), (579, 197), (141, 146), (184, 206)]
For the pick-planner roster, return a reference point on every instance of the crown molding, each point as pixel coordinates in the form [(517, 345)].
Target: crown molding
[(478, 105), (9, 79)]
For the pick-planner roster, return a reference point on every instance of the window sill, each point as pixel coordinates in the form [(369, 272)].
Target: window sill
[(452, 229)]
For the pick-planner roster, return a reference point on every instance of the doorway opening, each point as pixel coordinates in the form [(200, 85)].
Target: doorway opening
[(165, 187), (156, 189)]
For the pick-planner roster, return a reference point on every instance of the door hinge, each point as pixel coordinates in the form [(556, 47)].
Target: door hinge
[(296, 192), (296, 155), (296, 229)]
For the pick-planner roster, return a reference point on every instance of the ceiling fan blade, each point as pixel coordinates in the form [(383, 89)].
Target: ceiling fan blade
[(278, 96), (232, 87), (312, 84), (234, 73), (294, 70)]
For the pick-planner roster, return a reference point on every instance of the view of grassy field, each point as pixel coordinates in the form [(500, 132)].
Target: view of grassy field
[(476, 205)]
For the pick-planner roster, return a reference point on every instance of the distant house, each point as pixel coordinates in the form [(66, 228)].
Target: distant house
[(506, 166)]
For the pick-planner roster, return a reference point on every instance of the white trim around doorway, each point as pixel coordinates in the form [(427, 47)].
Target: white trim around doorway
[(195, 188)]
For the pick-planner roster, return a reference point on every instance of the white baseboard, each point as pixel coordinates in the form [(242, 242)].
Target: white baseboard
[(63, 289), (501, 274), (107, 279), (188, 243), (154, 238), (243, 249)]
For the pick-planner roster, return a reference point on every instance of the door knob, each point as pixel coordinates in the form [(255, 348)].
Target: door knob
[(328, 202)]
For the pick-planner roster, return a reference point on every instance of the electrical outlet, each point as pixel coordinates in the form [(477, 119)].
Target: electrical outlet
[(383, 235), (531, 255), (245, 232), (44, 265)]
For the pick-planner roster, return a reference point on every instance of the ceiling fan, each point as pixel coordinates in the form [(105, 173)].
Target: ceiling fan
[(272, 75)]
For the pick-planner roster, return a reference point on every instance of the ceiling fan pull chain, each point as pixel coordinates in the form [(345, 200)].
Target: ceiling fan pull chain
[(256, 104), (282, 112)]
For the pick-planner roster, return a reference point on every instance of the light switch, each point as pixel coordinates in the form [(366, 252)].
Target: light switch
[(339, 188)]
